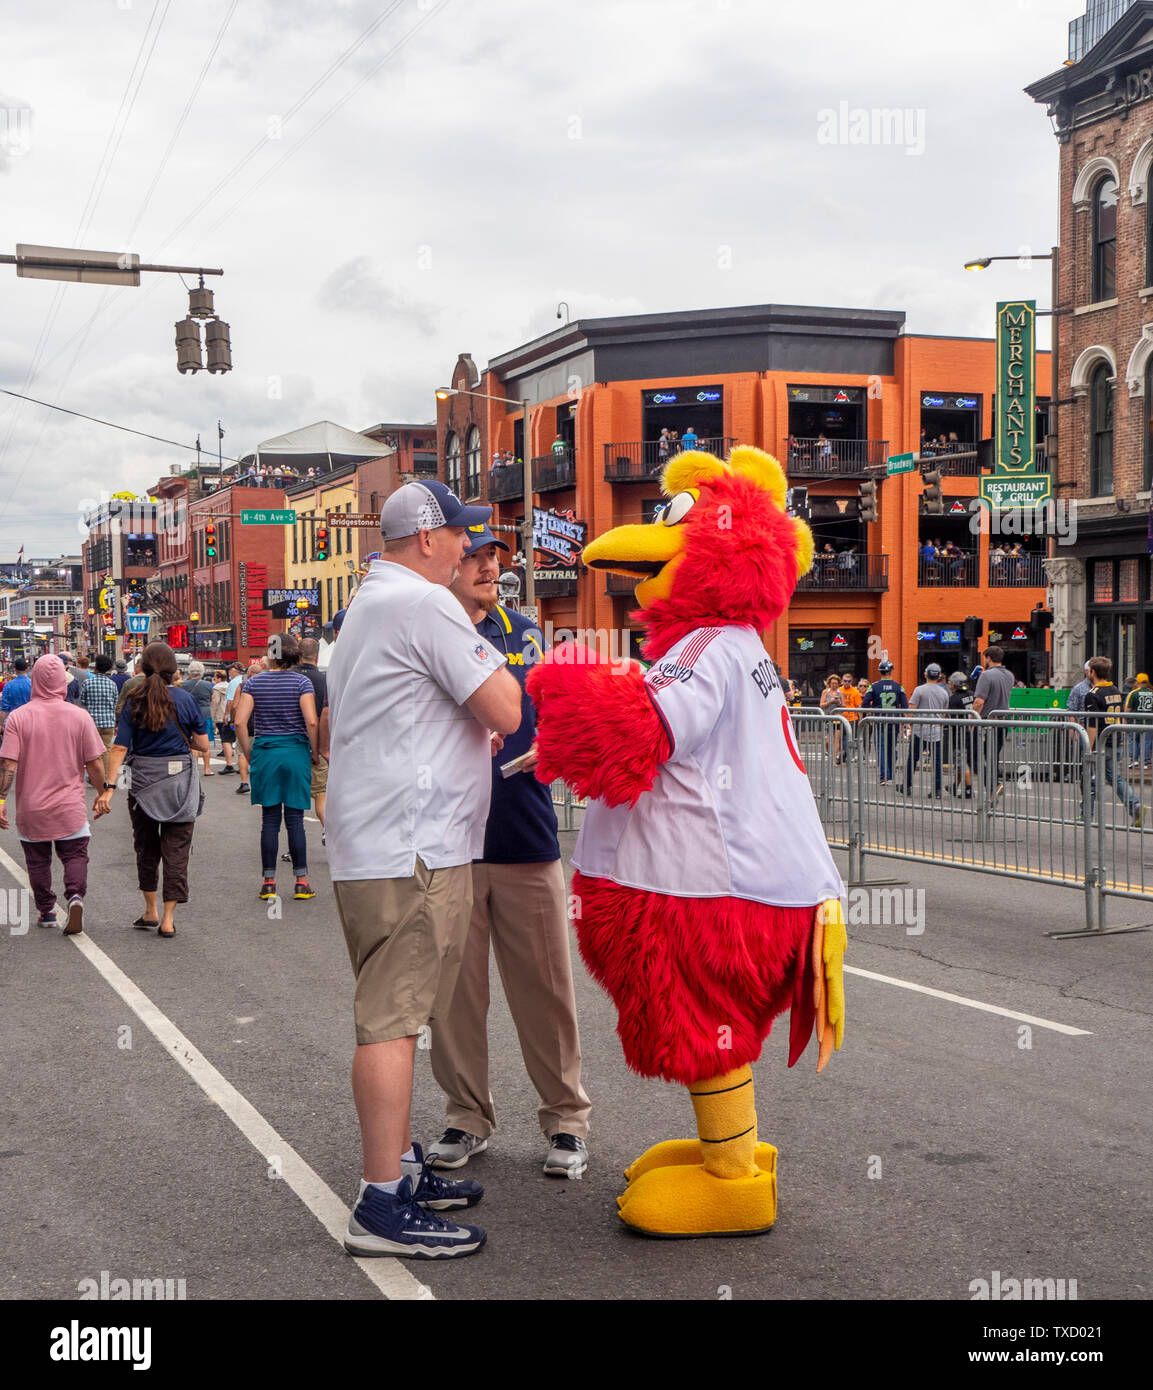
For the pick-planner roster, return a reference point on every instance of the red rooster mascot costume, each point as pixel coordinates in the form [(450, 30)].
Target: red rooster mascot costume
[(708, 901)]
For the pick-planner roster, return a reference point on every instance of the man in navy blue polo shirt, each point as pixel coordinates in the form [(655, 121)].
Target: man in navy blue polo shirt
[(518, 905)]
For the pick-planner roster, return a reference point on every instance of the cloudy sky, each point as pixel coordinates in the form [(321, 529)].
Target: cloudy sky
[(389, 184)]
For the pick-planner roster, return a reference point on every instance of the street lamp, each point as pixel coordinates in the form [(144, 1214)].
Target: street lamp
[(1053, 257), (525, 530)]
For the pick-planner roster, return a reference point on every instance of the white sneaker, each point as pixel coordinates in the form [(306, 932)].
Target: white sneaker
[(454, 1148), (568, 1157)]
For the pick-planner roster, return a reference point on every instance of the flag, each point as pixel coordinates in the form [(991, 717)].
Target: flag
[(20, 555), (219, 430)]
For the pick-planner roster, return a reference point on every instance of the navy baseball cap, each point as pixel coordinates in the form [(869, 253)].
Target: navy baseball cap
[(425, 506), (480, 536), (338, 619)]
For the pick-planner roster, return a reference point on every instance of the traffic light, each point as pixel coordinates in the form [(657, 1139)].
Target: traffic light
[(219, 346), (973, 629), (210, 540), (188, 353), (797, 502), (868, 494), (933, 497), (322, 542)]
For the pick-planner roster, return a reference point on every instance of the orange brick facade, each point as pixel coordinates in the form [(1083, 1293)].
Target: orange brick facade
[(756, 410)]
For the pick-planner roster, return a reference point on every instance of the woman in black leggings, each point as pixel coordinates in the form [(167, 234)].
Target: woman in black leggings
[(282, 751)]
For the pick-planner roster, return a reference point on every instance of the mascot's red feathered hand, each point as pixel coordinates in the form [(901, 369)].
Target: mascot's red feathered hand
[(708, 901)]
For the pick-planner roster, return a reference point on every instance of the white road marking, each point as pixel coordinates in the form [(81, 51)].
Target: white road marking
[(389, 1275), (970, 1003)]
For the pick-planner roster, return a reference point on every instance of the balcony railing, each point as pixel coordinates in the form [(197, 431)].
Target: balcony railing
[(830, 458), (551, 472), (506, 482), (846, 571), (952, 571), (640, 462), (960, 460), (1026, 571)]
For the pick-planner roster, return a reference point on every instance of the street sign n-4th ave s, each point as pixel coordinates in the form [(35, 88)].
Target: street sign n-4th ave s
[(252, 518)]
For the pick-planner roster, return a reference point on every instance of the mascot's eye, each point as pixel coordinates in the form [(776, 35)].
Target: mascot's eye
[(676, 510)]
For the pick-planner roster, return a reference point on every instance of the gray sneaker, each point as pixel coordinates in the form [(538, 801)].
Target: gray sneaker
[(568, 1157), (454, 1148)]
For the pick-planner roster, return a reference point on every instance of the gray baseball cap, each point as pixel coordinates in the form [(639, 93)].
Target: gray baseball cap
[(425, 506)]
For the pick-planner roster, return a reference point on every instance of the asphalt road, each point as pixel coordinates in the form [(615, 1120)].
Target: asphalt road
[(942, 1144)]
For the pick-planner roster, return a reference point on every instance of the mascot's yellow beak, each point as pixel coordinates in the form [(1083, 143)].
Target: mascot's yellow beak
[(649, 553)]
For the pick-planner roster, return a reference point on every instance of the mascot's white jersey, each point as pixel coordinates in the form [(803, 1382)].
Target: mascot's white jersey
[(731, 813)]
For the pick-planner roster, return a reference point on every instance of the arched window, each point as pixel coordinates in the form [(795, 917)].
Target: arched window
[(1149, 232), (1149, 422), (452, 461), (1105, 240), (472, 463), (1101, 432)]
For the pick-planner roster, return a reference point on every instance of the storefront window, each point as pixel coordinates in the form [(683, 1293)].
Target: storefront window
[(949, 423), (815, 653)]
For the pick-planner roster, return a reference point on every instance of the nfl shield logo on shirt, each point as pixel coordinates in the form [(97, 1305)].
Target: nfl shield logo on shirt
[(481, 651)]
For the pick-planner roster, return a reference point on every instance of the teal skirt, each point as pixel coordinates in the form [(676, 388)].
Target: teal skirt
[(280, 771)]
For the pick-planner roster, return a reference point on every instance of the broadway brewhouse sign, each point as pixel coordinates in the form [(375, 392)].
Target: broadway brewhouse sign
[(558, 539)]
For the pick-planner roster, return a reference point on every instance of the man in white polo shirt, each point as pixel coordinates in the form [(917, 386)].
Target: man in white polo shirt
[(413, 694)]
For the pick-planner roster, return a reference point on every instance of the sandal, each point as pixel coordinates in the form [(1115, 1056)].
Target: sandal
[(144, 922), (166, 935)]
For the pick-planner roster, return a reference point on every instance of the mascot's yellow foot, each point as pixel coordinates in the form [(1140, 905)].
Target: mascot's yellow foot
[(687, 1200), (688, 1151)]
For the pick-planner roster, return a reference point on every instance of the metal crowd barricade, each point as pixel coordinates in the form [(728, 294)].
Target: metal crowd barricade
[(1022, 794), (569, 805), (987, 795)]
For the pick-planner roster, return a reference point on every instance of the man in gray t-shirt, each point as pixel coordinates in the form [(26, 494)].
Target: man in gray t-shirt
[(929, 697), (994, 684), (993, 688)]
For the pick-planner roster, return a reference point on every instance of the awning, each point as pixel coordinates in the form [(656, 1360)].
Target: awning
[(324, 440)]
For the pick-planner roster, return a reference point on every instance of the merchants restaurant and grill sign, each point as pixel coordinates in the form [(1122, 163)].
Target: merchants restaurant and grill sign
[(1014, 482)]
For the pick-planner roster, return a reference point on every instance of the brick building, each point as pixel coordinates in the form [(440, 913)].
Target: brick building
[(225, 589), (1101, 106), (119, 557), (831, 393)]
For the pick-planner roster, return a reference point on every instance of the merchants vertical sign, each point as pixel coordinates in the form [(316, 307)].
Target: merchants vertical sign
[(1016, 386)]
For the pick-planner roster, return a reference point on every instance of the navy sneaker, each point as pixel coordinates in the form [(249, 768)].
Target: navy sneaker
[(388, 1224), (441, 1194)]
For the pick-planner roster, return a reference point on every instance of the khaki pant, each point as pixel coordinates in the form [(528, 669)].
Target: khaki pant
[(405, 937), (520, 908), (106, 735)]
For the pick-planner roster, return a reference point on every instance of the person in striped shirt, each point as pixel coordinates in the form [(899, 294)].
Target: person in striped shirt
[(98, 695)]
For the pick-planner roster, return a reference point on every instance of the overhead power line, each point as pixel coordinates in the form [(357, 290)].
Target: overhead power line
[(159, 439)]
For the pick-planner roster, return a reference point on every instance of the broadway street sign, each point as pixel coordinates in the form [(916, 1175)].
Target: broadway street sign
[(900, 463)]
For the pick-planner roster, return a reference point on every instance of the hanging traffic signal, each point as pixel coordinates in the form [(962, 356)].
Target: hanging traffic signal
[(188, 353), (210, 540), (932, 496), (868, 501), (322, 542), (797, 503), (219, 345), (973, 628)]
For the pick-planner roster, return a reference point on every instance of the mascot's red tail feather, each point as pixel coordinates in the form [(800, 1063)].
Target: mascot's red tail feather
[(597, 728), (803, 1011)]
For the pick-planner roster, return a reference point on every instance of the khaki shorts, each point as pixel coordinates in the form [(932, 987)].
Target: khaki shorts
[(405, 938), (320, 776)]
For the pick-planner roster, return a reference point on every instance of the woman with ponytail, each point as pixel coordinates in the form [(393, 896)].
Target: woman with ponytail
[(159, 733)]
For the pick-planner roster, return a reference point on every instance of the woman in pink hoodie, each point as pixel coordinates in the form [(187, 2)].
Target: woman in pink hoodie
[(48, 744)]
